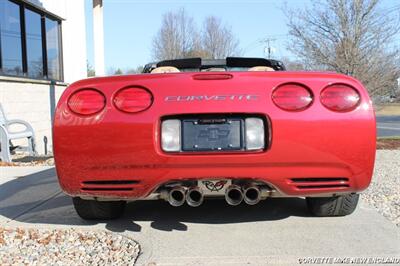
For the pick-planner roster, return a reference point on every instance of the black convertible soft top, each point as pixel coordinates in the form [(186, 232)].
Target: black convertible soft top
[(229, 62)]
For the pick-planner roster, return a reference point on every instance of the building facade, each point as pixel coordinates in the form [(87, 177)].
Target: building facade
[(42, 50)]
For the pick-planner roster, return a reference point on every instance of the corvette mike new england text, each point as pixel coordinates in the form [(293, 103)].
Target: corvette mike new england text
[(350, 260)]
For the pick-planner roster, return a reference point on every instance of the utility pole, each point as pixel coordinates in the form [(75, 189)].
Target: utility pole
[(268, 49)]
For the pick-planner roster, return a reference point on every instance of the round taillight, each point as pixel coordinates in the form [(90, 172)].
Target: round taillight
[(292, 97), (133, 100), (86, 102), (340, 98)]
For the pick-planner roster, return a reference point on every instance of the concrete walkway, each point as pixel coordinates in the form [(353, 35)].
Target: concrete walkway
[(274, 231)]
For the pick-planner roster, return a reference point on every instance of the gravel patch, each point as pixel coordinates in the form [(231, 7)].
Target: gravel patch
[(22, 159), (388, 144), (65, 247), (384, 191)]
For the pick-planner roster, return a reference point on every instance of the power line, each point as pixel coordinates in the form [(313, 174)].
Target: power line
[(252, 45), (261, 41), (391, 9)]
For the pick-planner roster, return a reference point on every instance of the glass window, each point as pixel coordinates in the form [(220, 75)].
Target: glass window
[(31, 48), (34, 49), (10, 38), (53, 49)]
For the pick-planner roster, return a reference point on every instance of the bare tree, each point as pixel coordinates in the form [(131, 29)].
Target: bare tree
[(293, 65), (118, 72), (90, 70), (218, 40), (353, 37), (177, 37), (136, 70)]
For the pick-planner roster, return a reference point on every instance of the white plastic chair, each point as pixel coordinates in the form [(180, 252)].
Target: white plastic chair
[(6, 135)]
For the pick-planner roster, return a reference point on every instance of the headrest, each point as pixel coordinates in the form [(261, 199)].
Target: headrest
[(261, 68), (165, 69)]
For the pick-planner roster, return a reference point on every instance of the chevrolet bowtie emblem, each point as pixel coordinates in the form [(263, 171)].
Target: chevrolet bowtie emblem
[(213, 134)]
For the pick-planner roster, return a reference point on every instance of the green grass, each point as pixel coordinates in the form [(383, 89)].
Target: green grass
[(389, 138), (388, 109)]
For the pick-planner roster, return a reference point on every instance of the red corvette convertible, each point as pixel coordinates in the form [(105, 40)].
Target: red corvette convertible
[(242, 129)]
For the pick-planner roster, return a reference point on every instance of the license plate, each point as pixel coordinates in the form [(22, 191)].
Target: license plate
[(214, 187), (212, 135)]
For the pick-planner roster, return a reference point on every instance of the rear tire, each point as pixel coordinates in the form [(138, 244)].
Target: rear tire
[(98, 210), (333, 206)]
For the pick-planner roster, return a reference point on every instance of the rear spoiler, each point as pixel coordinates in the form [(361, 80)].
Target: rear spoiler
[(198, 63)]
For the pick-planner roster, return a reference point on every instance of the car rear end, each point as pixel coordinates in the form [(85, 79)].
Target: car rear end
[(245, 136)]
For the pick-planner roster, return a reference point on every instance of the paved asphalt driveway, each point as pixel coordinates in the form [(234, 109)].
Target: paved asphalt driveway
[(388, 126), (274, 231)]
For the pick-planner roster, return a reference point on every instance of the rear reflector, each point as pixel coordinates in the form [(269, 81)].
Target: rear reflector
[(340, 98), (292, 97), (87, 102), (133, 100), (308, 183)]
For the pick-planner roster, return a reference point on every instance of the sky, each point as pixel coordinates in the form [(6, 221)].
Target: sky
[(130, 26)]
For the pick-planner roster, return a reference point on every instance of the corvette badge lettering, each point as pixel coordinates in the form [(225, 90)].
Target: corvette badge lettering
[(231, 97)]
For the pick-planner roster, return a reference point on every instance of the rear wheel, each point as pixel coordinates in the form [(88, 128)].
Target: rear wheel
[(93, 210), (333, 206)]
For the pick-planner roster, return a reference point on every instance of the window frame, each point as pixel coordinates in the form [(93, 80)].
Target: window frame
[(60, 47), (5, 70), (23, 5)]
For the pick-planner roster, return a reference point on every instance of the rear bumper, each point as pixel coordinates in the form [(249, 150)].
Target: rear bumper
[(105, 161), (286, 180)]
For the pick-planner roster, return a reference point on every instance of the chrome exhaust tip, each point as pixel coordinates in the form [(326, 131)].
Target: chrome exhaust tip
[(194, 197), (177, 196), (252, 195), (233, 195)]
